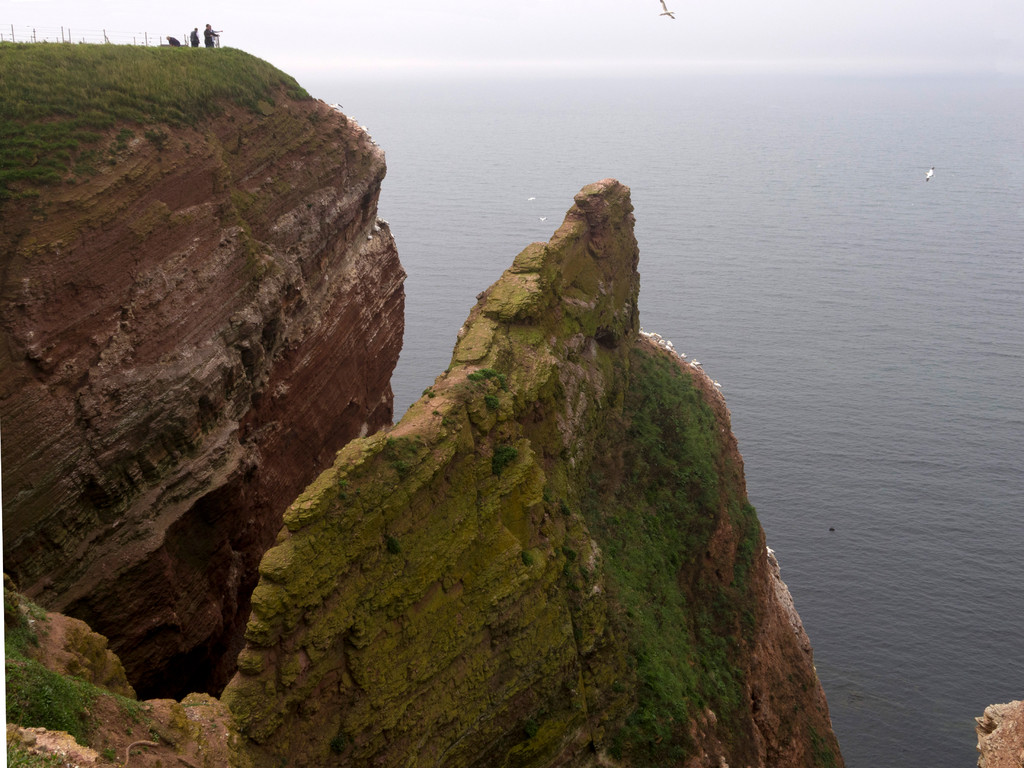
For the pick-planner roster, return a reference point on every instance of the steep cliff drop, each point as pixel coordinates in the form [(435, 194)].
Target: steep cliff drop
[(200, 313), (550, 560)]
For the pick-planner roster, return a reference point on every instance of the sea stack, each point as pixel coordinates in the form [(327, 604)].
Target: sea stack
[(550, 557)]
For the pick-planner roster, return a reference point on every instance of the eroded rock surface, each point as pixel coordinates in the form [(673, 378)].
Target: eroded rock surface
[(1001, 736), (549, 561), (189, 336)]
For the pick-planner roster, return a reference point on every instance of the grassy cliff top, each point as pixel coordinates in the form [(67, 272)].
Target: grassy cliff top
[(59, 98)]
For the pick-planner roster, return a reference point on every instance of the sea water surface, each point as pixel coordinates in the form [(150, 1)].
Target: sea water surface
[(867, 327)]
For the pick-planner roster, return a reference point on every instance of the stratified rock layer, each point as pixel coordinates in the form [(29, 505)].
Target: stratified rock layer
[(549, 561), (189, 336)]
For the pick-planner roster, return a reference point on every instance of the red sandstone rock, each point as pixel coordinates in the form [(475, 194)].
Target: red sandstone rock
[(1001, 736), (189, 336)]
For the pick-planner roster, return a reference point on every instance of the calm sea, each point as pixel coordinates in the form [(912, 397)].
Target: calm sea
[(867, 327)]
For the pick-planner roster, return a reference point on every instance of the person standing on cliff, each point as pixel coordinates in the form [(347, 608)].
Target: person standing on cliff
[(210, 36), (194, 38)]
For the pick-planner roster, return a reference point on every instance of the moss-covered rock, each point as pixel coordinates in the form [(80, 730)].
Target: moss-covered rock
[(551, 556)]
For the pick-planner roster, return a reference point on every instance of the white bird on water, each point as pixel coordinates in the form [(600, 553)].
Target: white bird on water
[(667, 11), (929, 174)]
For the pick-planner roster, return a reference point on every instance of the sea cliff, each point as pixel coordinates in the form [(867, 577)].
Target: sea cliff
[(198, 311), (550, 560)]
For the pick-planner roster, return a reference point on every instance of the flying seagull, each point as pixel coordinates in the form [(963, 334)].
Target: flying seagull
[(667, 11), (929, 174)]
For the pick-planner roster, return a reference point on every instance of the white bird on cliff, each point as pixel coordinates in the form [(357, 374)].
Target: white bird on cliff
[(929, 174), (667, 12)]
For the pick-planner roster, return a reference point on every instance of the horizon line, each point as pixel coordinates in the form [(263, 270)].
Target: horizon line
[(479, 68)]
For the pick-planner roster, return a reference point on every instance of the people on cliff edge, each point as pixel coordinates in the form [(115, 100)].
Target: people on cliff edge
[(173, 42), (194, 38), (211, 36)]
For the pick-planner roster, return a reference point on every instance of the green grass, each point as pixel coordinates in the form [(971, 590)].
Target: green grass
[(37, 697), (655, 504), (823, 756), (489, 373), (60, 100), (17, 757), (40, 698), (502, 457)]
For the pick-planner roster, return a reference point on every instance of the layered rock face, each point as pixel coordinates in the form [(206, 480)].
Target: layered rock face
[(549, 561), (189, 335), (1001, 736)]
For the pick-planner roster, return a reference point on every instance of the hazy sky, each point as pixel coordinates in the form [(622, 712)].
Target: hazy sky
[(473, 37)]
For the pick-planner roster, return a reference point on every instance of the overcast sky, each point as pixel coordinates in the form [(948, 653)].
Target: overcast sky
[(474, 37)]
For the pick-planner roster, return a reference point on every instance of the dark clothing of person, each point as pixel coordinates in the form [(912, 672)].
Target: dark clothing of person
[(209, 35), (194, 38), (174, 42)]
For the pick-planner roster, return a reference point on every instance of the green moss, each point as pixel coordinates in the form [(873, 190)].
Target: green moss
[(518, 297), (339, 743), (476, 343), (553, 578), (530, 259)]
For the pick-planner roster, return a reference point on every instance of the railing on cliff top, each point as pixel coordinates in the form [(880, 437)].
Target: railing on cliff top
[(14, 34)]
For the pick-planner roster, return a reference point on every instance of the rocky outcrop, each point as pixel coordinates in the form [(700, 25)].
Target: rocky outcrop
[(67, 698), (69, 647), (550, 560), (190, 333), (1001, 736)]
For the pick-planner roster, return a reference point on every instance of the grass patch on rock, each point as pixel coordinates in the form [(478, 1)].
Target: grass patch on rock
[(38, 697), (60, 101), (656, 501)]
